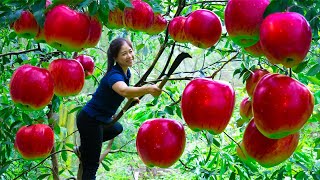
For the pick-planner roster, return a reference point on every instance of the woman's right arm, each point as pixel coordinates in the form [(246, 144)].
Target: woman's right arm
[(124, 90)]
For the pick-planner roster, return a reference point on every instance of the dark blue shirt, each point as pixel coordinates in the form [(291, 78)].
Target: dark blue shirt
[(105, 101)]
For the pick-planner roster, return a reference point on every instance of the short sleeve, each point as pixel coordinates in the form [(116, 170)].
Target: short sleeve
[(113, 78)]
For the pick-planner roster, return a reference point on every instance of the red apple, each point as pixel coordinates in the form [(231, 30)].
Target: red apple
[(243, 20), (115, 19), (87, 64), (242, 154), (253, 79), (26, 25), (139, 17), (68, 76), (285, 38), (31, 87), (35, 141), (207, 104), (160, 142), (40, 38), (281, 105), (203, 28), (176, 29), (255, 50), (95, 32), (66, 29), (159, 24), (246, 108), (268, 152)]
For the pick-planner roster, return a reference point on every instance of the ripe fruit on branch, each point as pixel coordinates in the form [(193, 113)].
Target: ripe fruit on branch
[(207, 104), (68, 76), (243, 19), (281, 105), (246, 108), (160, 142), (35, 141), (285, 38), (255, 50), (253, 79), (66, 29), (87, 64), (203, 28), (268, 152), (176, 29), (31, 87), (26, 25), (95, 32), (115, 19), (159, 24), (139, 17)]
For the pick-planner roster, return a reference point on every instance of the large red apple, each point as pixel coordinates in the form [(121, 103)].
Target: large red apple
[(40, 38), (255, 50), (176, 29), (243, 20), (115, 19), (87, 64), (26, 25), (31, 87), (268, 152), (285, 38), (253, 79), (139, 17), (66, 29), (68, 76), (246, 108), (95, 32), (160, 142), (207, 104), (159, 24), (281, 105), (203, 28), (35, 141)]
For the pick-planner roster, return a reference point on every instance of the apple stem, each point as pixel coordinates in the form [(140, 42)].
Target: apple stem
[(290, 72)]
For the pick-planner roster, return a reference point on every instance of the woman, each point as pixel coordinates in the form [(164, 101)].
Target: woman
[(94, 119)]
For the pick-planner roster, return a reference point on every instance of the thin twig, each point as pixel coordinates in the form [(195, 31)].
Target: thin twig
[(217, 71), (21, 52), (41, 162)]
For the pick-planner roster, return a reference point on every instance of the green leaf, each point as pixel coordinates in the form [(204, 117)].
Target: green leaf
[(93, 8), (300, 67), (169, 110), (43, 176), (64, 154), (297, 9), (277, 6), (75, 109), (314, 70), (27, 120), (55, 103), (105, 166)]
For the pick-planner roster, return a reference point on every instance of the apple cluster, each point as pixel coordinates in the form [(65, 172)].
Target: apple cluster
[(32, 88), (186, 29), (278, 106), (139, 17), (283, 37), (84, 31)]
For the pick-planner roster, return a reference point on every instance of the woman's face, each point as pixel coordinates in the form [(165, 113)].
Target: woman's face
[(125, 56)]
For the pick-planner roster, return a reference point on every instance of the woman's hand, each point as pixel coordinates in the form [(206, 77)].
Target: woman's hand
[(154, 90)]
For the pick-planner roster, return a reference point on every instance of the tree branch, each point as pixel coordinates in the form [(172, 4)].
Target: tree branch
[(41, 162), (106, 152), (21, 52)]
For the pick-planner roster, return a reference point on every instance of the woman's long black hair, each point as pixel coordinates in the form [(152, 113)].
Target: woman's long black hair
[(114, 49)]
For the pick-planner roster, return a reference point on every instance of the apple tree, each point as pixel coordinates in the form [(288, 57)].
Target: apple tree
[(240, 81)]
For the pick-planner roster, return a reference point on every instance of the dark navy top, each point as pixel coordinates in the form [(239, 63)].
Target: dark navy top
[(105, 101)]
